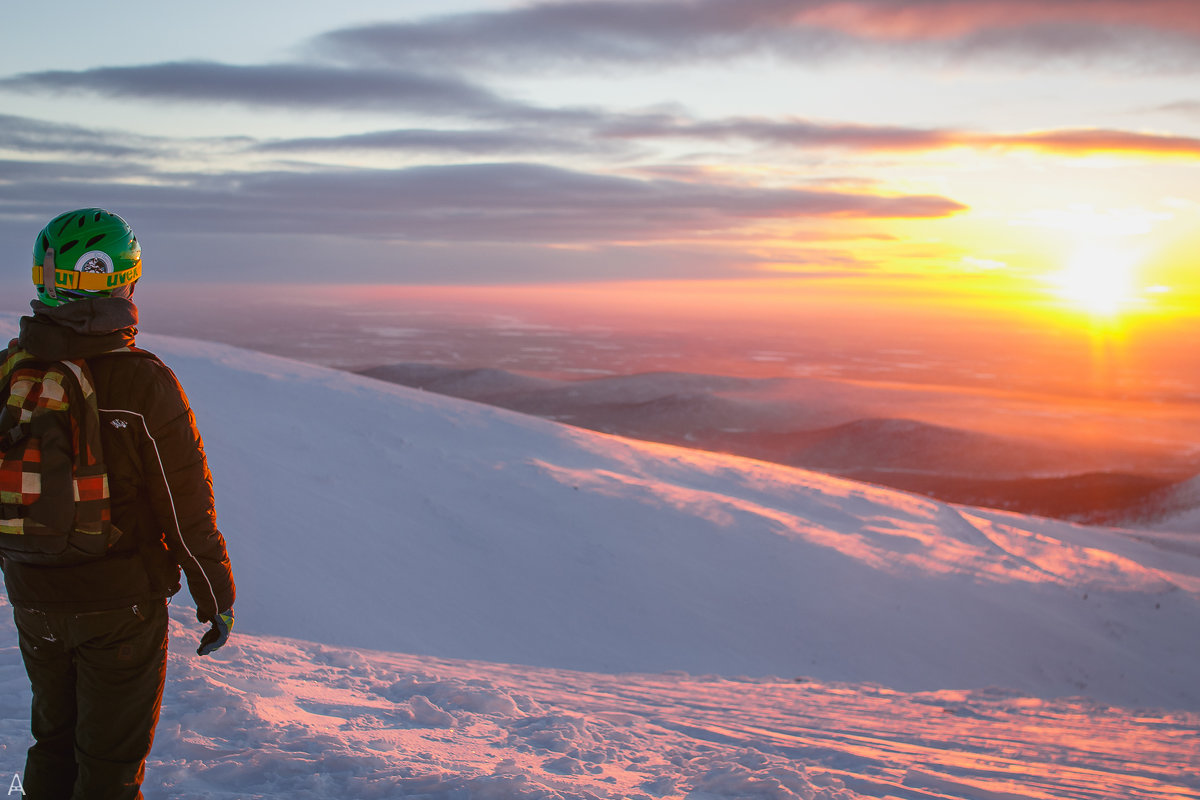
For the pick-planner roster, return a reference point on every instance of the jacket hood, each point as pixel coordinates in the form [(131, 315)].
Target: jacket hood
[(80, 328)]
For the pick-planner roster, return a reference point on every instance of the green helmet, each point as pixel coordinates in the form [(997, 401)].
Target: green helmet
[(85, 253)]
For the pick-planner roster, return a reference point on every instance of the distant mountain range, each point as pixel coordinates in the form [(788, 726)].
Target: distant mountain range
[(829, 426)]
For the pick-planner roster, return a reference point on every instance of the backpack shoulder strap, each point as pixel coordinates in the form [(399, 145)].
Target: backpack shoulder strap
[(12, 409), (13, 357)]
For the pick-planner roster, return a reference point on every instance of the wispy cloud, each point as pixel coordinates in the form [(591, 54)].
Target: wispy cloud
[(285, 85), (1093, 141), (1189, 107), (808, 133), (117, 151), (599, 134), (923, 20), (475, 142), (14, 175), (1159, 32), (788, 132), (597, 138), (25, 135)]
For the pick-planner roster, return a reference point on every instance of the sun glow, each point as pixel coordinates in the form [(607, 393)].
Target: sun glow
[(1109, 250), (1099, 279)]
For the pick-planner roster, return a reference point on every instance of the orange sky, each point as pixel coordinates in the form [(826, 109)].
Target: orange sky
[(906, 162)]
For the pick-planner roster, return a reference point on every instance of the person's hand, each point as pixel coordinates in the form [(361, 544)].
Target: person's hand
[(217, 635)]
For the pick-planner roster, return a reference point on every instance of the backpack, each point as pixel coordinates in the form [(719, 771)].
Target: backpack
[(54, 494)]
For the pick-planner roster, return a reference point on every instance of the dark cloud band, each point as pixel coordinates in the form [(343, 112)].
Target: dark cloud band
[(511, 202), (1160, 33), (461, 142), (782, 133), (281, 85)]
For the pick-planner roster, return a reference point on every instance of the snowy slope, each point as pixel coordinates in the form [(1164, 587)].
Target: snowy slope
[(362, 513)]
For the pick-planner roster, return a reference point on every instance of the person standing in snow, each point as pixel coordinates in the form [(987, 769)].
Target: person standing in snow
[(93, 635)]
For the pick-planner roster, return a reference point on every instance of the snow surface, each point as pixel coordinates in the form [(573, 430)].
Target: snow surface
[(277, 718), (361, 514)]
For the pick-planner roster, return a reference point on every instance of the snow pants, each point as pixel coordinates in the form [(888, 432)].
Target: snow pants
[(97, 683)]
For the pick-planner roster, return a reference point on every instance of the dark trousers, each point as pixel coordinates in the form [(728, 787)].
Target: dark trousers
[(97, 688)]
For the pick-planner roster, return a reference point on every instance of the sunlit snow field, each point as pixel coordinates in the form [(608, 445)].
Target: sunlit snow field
[(282, 718)]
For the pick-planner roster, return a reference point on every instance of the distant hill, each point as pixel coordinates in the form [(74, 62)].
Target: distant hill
[(661, 406), (1100, 498), (473, 384), (885, 445)]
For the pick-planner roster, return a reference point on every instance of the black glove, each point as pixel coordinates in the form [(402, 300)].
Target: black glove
[(217, 635)]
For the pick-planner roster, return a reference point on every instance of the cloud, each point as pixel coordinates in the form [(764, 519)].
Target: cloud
[(595, 133), (284, 85), (1159, 33), (925, 20), (876, 138), (1093, 141), (13, 173), (788, 132), (107, 149), (458, 142), (597, 138), (503, 202), (25, 135), (511, 222), (1188, 107)]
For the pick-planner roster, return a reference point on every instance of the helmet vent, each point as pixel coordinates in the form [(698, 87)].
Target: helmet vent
[(82, 221), (95, 239), (96, 218), (45, 243), (68, 245), (64, 226)]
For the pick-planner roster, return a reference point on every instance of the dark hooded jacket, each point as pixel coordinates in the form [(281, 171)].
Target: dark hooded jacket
[(162, 499)]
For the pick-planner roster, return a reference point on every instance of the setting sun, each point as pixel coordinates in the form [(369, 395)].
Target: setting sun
[(1099, 280)]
